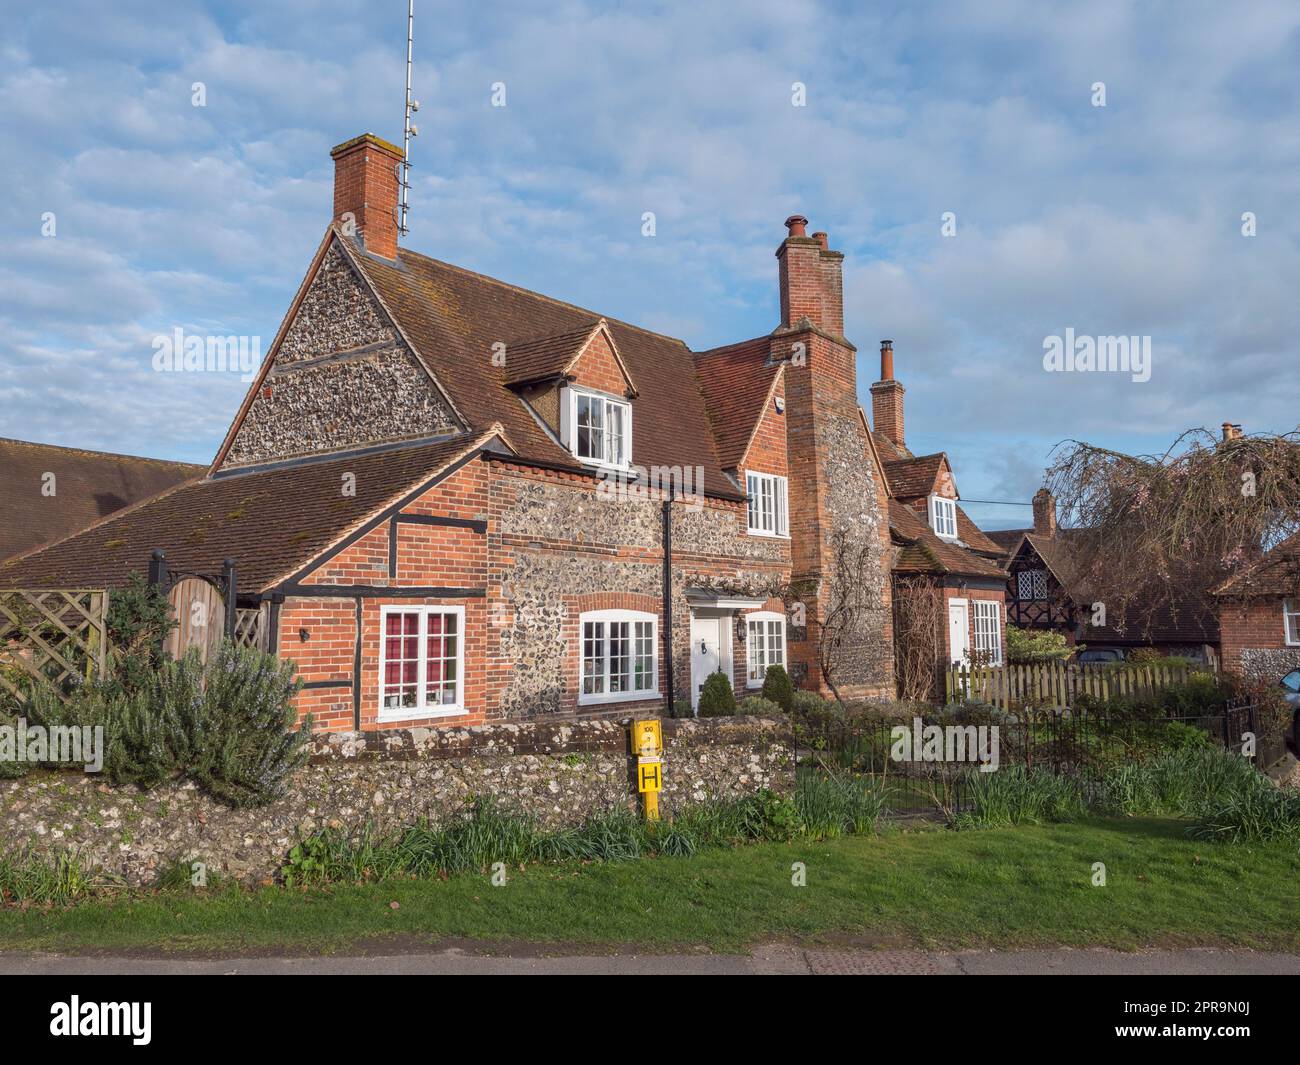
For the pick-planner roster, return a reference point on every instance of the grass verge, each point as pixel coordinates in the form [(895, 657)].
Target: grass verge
[(1005, 887)]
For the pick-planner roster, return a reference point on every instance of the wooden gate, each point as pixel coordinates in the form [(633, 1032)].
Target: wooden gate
[(200, 612)]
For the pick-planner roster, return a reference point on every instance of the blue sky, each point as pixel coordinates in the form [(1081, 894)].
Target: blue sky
[(1123, 219)]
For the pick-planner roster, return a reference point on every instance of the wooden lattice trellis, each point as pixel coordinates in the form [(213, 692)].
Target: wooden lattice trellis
[(53, 635), (251, 628)]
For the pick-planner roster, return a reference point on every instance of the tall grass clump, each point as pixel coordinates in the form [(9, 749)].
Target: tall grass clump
[(29, 877), (837, 804), (1252, 815), (1177, 783), (1020, 796)]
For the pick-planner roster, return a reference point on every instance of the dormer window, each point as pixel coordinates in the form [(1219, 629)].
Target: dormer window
[(597, 428), (943, 517)]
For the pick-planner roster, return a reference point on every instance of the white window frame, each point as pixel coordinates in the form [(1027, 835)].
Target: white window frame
[(759, 655), (943, 517), (569, 426), (768, 506), (1291, 622), (1037, 582), (605, 618), (422, 709), (986, 626)]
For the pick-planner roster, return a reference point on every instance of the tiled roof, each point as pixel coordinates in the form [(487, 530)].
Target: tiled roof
[(910, 478), (548, 356), (736, 381), (1276, 572), (924, 552), (973, 537), (88, 485), (453, 317), (270, 522), (889, 451)]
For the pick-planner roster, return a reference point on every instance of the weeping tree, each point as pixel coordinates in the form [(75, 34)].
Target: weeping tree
[(1153, 535)]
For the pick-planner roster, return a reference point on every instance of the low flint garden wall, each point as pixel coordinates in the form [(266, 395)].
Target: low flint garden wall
[(558, 772)]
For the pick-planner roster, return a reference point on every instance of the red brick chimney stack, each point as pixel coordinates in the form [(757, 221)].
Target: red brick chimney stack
[(365, 191), (1044, 513), (887, 398), (812, 278)]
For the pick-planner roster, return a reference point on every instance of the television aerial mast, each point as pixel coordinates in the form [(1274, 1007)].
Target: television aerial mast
[(409, 129)]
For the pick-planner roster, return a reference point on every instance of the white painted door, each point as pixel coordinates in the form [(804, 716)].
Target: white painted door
[(958, 630), (706, 654)]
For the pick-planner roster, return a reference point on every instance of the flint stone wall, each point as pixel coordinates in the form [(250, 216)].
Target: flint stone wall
[(558, 772), (1269, 664)]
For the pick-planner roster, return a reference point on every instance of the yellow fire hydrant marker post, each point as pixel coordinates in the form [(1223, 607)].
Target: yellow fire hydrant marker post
[(648, 743)]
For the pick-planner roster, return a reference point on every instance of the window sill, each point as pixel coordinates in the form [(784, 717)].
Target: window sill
[(621, 697), (767, 535), (443, 710), (598, 464)]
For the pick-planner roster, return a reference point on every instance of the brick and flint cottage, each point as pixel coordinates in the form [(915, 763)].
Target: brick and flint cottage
[(1259, 617), (458, 501), (948, 588)]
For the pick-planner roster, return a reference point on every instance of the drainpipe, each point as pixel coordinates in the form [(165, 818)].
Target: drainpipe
[(667, 509)]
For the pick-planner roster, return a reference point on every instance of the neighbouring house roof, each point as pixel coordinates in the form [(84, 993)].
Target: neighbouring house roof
[(1143, 619), (1008, 540), (271, 522), (88, 485), (1275, 573), (453, 317), (921, 551), (737, 381)]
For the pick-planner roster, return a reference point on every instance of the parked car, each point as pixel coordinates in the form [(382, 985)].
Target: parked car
[(1100, 656), (1291, 685)]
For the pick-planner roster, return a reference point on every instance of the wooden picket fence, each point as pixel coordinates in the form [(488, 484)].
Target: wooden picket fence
[(52, 635), (1057, 685)]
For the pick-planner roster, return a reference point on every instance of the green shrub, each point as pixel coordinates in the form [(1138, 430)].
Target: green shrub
[(717, 699), (810, 704), (139, 619), (757, 706), (1025, 645), (777, 687), (227, 726)]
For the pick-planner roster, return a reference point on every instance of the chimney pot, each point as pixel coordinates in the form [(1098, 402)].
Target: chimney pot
[(887, 398), (1231, 431), (797, 224), (821, 238)]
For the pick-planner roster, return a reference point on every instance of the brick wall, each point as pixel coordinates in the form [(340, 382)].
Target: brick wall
[(1253, 639)]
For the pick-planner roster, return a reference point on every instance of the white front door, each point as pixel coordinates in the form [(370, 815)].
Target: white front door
[(708, 654), (958, 630)]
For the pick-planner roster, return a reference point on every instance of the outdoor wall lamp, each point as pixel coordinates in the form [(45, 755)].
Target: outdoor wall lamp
[(304, 635)]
